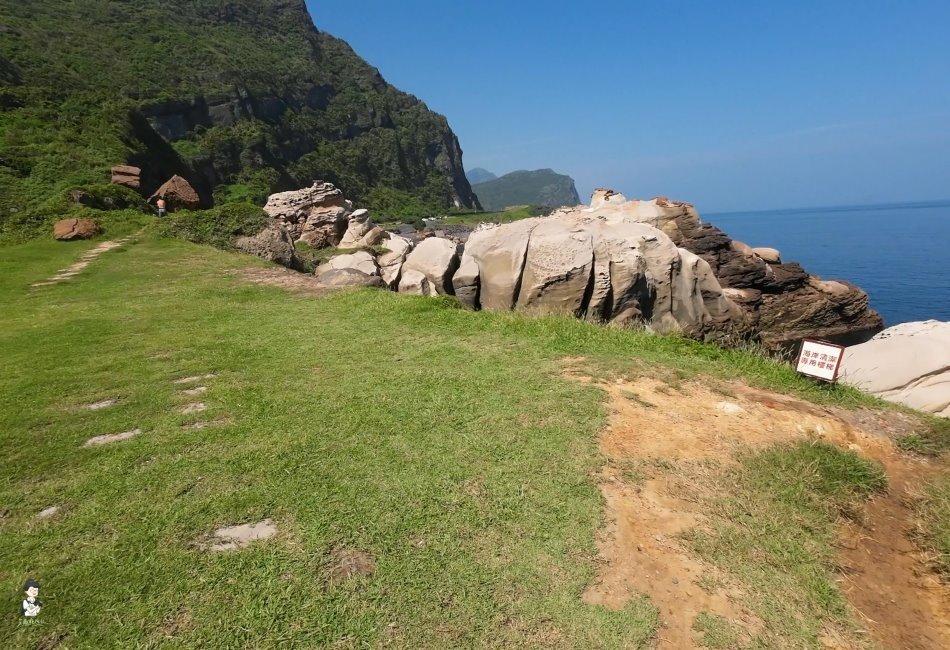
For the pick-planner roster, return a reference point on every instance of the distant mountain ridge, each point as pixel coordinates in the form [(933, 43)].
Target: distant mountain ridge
[(539, 187), (479, 175)]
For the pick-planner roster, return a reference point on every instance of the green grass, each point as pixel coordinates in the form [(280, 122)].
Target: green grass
[(933, 440), (933, 514), (445, 443), (717, 632), (773, 526)]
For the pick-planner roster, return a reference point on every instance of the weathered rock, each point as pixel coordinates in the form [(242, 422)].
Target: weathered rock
[(416, 283), (466, 283), (347, 277), (178, 193), (360, 261), (655, 262), (437, 259), (359, 226), (127, 175), (70, 229), (908, 363), (499, 254), (273, 244), (316, 215), (390, 262), (770, 255), (558, 267)]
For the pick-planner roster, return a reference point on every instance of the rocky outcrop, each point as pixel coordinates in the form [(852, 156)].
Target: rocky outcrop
[(782, 303), (127, 175), (316, 215), (272, 244), (650, 262), (178, 193), (908, 363), (70, 229)]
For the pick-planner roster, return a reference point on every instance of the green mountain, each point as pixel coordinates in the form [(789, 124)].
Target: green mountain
[(242, 97), (479, 175), (540, 187)]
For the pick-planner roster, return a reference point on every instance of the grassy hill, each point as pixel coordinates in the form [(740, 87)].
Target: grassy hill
[(460, 454), (242, 97), (540, 187)]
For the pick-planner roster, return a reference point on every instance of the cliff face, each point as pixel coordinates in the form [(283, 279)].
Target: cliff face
[(246, 96)]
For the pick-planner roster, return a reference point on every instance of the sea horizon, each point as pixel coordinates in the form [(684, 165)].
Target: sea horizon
[(845, 207)]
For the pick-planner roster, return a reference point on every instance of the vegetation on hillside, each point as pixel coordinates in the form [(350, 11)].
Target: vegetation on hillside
[(82, 84), (540, 187)]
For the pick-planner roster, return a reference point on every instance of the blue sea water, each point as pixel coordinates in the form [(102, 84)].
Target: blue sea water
[(898, 253)]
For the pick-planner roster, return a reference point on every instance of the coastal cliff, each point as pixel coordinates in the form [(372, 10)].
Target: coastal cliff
[(241, 98)]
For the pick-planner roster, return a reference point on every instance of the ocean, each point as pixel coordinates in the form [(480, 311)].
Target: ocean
[(898, 253)]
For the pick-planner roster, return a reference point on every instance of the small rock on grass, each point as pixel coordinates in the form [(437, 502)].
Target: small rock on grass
[(196, 407), (114, 437), (46, 513), (95, 406), (188, 380), (197, 390), (232, 538)]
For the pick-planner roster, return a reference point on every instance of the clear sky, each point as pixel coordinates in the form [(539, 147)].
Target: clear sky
[(730, 105)]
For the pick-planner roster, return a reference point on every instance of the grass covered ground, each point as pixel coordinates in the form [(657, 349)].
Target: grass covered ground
[(445, 444)]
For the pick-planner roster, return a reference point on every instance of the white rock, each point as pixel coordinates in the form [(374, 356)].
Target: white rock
[(908, 363), (360, 260), (436, 259)]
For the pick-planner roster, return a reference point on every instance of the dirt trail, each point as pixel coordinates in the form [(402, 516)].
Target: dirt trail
[(694, 426), (76, 268)]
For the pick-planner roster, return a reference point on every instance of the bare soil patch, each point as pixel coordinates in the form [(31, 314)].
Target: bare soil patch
[(345, 564), (302, 283), (884, 575)]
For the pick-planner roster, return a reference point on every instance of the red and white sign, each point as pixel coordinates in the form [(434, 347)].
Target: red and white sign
[(820, 360)]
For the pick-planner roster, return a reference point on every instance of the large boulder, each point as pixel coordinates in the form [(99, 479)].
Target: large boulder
[(178, 193), (908, 363), (358, 226), (498, 253), (437, 259), (69, 229), (557, 268), (273, 244), (416, 283)]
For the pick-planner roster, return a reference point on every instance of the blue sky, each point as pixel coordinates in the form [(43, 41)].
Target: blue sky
[(730, 105)]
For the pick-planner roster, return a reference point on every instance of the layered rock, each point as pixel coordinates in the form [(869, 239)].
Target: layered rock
[(127, 175), (908, 363), (316, 215)]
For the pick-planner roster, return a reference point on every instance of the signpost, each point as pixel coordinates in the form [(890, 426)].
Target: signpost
[(820, 360)]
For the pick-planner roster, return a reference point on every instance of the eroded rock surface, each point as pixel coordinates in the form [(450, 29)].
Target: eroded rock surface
[(908, 363)]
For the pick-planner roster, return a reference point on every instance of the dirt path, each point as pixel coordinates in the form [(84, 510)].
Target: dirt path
[(694, 426), (76, 268)]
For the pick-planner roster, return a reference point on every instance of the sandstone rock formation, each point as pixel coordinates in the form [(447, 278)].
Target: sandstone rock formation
[(436, 259), (316, 215), (178, 193), (69, 229), (127, 175), (908, 363), (273, 244), (649, 262)]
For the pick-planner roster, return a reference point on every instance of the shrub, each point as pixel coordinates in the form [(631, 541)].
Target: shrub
[(217, 227)]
